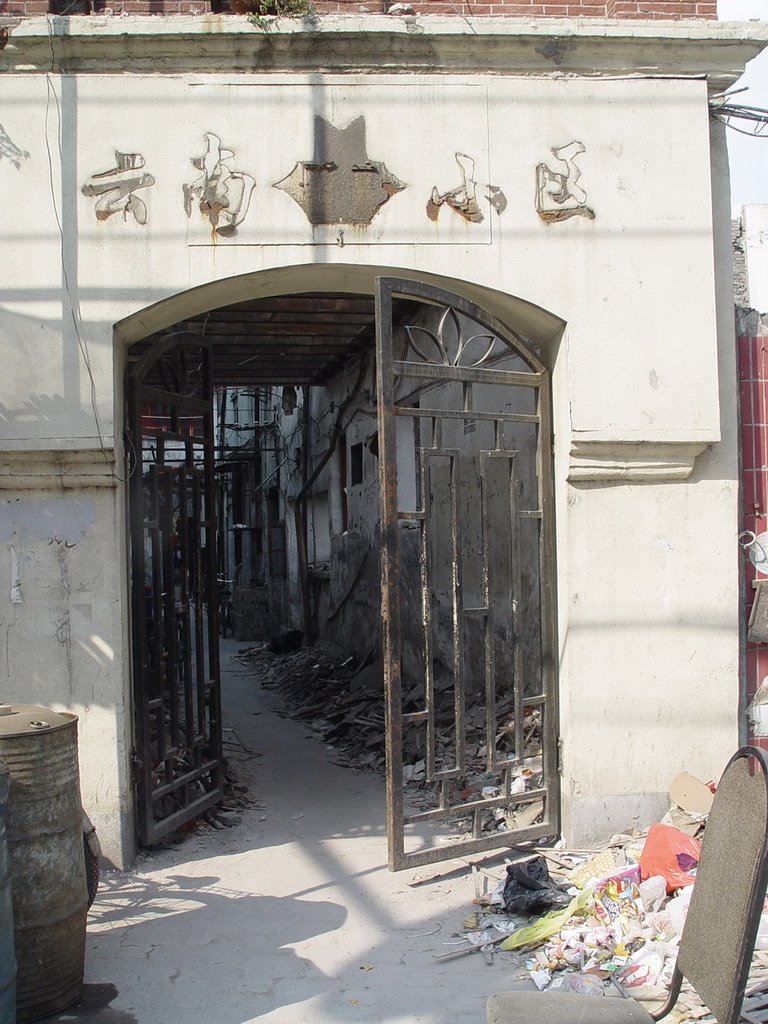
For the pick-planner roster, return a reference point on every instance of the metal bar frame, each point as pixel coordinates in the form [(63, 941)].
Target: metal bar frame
[(176, 691), (388, 370)]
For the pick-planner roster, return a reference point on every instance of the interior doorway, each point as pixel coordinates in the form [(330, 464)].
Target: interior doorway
[(374, 466)]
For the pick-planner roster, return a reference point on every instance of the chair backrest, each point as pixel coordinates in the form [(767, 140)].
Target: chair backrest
[(723, 918)]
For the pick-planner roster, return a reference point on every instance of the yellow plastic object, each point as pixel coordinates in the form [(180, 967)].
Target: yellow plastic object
[(547, 925)]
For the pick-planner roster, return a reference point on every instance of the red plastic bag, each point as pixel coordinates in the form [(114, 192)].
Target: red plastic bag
[(670, 853)]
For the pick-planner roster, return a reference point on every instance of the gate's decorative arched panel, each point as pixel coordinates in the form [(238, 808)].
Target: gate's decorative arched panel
[(176, 686), (466, 504)]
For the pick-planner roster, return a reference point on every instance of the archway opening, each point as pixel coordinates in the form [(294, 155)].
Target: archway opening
[(368, 473)]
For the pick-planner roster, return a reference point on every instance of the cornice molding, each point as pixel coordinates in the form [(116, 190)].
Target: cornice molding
[(57, 470), (421, 44), (620, 461)]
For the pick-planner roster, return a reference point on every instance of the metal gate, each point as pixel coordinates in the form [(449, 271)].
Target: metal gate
[(466, 508), (178, 753)]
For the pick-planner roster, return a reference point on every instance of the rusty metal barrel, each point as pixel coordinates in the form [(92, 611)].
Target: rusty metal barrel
[(7, 956), (45, 841)]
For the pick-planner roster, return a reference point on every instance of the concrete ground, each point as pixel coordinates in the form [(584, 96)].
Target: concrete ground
[(292, 916)]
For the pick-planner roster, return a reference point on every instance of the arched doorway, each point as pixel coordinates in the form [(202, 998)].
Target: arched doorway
[(464, 531)]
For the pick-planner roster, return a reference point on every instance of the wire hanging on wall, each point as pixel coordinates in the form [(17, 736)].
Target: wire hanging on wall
[(53, 96), (725, 112)]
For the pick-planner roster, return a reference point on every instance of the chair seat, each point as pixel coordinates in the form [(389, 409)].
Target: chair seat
[(563, 1008)]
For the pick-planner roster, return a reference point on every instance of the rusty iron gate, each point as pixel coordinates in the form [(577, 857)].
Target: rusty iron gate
[(466, 508), (178, 750)]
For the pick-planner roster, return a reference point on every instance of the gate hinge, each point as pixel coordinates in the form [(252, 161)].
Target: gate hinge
[(559, 756)]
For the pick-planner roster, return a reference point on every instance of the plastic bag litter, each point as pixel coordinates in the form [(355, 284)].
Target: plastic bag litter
[(529, 887), (547, 925), (616, 897), (671, 853), (503, 925), (582, 944), (486, 937), (677, 909), (653, 892), (584, 984), (650, 966), (541, 979)]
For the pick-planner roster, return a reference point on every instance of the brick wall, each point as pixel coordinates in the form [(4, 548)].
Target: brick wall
[(521, 8), (753, 393)]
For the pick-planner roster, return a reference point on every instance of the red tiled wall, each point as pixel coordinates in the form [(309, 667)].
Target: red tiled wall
[(524, 8), (753, 386)]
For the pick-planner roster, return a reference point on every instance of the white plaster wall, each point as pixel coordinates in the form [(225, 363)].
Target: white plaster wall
[(649, 612), (755, 221), (61, 638), (614, 279), (647, 596)]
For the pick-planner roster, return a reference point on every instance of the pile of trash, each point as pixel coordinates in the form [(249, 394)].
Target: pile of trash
[(612, 919)]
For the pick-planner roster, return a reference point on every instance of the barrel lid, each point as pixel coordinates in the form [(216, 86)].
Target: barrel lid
[(27, 719)]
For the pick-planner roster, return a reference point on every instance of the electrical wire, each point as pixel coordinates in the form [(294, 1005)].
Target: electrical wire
[(82, 342), (725, 111)]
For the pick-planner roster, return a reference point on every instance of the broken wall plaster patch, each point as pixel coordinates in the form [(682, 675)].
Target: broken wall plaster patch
[(56, 519), (10, 151), (114, 189), (463, 198), (15, 577), (222, 194), (558, 193), (341, 184)]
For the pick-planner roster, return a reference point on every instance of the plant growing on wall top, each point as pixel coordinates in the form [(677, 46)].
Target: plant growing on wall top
[(262, 12)]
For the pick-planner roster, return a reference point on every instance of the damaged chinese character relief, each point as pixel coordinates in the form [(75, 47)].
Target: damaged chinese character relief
[(115, 189), (10, 151), (463, 198), (221, 193), (559, 195), (340, 184)]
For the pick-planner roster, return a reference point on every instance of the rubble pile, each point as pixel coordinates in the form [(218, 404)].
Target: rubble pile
[(341, 699), (228, 812)]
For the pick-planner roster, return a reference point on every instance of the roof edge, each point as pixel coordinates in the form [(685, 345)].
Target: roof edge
[(419, 44)]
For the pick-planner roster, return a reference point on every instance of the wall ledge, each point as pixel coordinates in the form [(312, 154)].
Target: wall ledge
[(52, 470), (621, 461)]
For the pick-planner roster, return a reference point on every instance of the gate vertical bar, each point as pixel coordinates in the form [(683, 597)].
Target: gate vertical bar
[(390, 573), (489, 635), (551, 732), (142, 768), (214, 690), (457, 608), (426, 608)]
